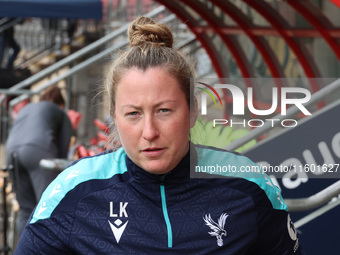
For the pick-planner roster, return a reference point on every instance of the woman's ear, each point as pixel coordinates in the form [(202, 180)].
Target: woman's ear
[(193, 113)]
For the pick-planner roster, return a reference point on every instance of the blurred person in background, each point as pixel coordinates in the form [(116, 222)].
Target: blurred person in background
[(7, 42), (41, 130)]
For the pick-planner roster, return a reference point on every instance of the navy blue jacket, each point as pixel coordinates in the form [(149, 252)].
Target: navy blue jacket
[(108, 205)]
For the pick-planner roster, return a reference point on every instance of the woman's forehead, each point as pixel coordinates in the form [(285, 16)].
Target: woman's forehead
[(154, 79)]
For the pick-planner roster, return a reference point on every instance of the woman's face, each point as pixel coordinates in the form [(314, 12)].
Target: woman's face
[(153, 119)]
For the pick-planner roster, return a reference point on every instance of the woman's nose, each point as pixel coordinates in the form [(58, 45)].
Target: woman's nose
[(150, 129)]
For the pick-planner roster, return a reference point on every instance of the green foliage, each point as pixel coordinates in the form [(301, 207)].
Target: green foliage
[(219, 136)]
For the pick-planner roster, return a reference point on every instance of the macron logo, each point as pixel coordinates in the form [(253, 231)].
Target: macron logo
[(42, 208), (55, 190), (72, 175), (118, 231), (117, 226)]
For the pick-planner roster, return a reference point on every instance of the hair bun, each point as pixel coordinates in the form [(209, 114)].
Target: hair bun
[(144, 30)]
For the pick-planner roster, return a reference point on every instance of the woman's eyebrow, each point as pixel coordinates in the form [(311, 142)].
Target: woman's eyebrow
[(156, 105), (131, 106), (165, 101)]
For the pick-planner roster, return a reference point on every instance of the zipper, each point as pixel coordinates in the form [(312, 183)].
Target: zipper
[(165, 212)]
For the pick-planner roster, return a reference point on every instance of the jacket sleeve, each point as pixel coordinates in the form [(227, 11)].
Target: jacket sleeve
[(49, 236), (276, 233)]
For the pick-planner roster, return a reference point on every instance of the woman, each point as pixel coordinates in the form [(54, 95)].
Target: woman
[(41, 130), (140, 199)]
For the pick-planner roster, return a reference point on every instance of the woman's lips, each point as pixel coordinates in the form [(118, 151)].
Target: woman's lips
[(153, 152)]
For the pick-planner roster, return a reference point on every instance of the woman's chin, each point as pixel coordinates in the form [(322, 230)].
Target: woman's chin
[(156, 168)]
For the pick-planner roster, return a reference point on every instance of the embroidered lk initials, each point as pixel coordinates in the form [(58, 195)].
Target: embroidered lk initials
[(122, 209)]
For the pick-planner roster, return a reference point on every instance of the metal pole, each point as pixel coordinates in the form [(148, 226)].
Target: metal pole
[(16, 92), (317, 213), (322, 197)]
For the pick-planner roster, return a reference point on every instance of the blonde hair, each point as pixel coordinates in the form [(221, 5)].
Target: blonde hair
[(151, 45)]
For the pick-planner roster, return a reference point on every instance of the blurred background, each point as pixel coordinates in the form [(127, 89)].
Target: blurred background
[(70, 44)]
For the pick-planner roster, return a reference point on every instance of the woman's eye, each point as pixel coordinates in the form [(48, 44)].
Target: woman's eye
[(164, 110), (132, 114)]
